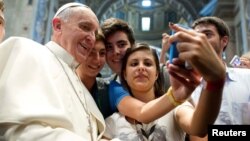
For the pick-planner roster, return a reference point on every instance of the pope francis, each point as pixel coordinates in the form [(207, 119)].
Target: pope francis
[(41, 96)]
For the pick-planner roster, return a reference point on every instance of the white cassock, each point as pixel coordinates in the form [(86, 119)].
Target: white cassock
[(41, 97)]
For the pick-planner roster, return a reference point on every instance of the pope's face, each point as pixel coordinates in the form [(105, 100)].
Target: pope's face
[(140, 72), (77, 34)]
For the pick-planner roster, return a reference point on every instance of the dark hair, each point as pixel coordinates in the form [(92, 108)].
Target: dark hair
[(219, 24), (112, 25), (158, 86), (1, 5), (99, 36)]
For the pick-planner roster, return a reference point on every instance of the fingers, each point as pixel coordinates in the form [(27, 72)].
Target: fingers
[(183, 34), (165, 38), (184, 81), (165, 45), (186, 76), (194, 48), (164, 35), (178, 61), (185, 29)]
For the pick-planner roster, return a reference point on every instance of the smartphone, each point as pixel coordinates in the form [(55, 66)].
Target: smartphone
[(173, 52), (235, 62)]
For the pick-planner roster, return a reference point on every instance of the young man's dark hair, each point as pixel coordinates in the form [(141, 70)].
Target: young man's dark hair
[(112, 25)]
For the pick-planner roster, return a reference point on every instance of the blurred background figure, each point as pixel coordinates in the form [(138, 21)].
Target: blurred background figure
[(245, 60), (241, 62), (2, 31), (2, 21)]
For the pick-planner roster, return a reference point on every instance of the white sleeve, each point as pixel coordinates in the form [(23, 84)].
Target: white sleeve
[(39, 132), (110, 126)]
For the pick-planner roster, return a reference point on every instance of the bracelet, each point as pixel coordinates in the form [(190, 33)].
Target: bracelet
[(171, 97), (214, 85)]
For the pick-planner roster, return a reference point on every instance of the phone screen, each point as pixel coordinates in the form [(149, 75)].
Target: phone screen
[(235, 62)]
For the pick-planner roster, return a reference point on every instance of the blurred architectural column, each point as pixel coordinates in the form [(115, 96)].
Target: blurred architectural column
[(40, 21)]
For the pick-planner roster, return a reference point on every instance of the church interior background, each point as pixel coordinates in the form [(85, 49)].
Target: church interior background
[(149, 18)]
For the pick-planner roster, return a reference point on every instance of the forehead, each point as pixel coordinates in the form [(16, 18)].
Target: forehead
[(205, 27), (246, 57), (119, 35), (85, 15), (142, 54), (99, 45)]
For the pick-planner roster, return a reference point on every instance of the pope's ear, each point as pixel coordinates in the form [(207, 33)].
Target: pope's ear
[(56, 24)]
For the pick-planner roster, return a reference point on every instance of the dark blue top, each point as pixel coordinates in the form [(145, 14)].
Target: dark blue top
[(101, 96), (116, 94)]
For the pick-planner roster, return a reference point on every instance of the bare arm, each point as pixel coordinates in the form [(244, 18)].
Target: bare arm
[(195, 120), (195, 45), (133, 108), (145, 112)]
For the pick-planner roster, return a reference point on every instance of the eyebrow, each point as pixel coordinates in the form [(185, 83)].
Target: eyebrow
[(207, 31), (122, 41)]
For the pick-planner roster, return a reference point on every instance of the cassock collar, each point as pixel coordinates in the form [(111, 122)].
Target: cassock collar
[(61, 53)]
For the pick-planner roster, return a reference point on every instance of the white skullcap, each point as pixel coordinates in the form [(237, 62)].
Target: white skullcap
[(71, 4)]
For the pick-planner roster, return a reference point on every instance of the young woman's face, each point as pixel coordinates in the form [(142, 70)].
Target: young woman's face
[(141, 72)]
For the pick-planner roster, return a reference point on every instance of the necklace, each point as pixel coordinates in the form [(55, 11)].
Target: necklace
[(85, 106), (145, 131)]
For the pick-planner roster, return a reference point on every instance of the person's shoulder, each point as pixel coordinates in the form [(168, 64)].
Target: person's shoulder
[(17, 38), (239, 71), (20, 42), (22, 46)]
